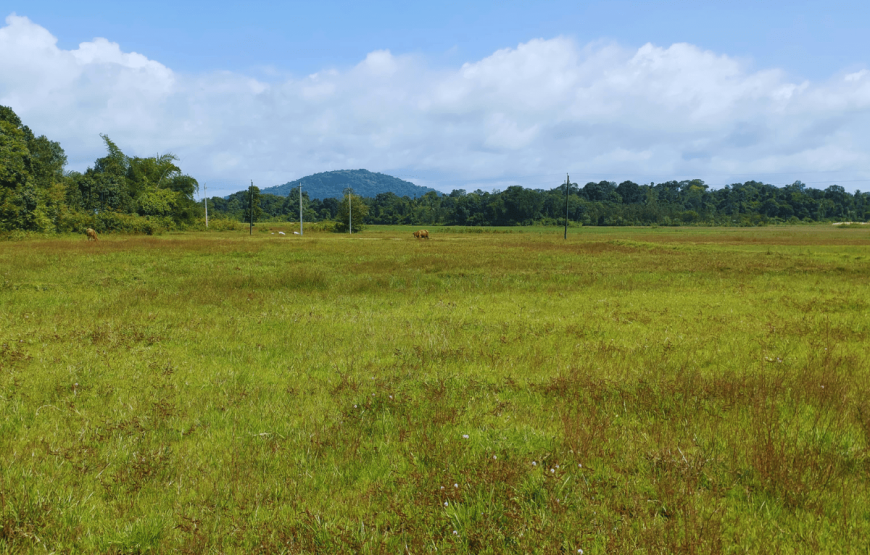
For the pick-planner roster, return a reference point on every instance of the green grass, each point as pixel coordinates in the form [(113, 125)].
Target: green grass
[(220, 393)]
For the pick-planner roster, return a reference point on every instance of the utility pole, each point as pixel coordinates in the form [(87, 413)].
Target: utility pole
[(205, 201), (349, 192), (567, 184), (300, 210), (251, 207)]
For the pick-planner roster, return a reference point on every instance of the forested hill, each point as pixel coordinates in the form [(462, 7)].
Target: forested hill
[(363, 182)]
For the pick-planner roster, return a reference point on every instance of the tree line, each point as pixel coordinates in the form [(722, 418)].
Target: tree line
[(118, 193), (604, 203), (145, 195)]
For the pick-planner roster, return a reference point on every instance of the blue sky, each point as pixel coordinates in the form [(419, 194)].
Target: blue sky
[(808, 39), (350, 84)]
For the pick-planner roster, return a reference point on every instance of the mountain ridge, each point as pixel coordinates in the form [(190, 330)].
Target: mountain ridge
[(363, 182)]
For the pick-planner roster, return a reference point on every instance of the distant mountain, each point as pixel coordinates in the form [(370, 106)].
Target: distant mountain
[(363, 182)]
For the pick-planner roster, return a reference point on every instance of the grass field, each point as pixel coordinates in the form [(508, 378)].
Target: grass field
[(626, 391)]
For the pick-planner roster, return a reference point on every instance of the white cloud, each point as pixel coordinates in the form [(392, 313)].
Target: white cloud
[(522, 115)]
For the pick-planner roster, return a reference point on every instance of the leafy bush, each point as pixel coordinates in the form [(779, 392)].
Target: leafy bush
[(223, 224), (119, 222), (325, 225)]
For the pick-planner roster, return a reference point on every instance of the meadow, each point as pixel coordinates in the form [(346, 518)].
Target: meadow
[(629, 390)]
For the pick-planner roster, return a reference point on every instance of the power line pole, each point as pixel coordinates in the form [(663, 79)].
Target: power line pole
[(300, 210), (251, 208), (567, 184), (349, 192), (205, 201)]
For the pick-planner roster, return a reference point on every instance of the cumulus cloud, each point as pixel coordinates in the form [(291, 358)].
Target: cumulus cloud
[(521, 115)]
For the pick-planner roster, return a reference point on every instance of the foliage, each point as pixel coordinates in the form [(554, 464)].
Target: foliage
[(352, 212), (36, 195), (365, 183), (158, 202), (595, 204), (250, 204)]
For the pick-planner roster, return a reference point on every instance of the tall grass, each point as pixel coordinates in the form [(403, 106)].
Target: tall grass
[(652, 391)]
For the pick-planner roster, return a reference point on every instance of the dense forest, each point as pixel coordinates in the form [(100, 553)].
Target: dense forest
[(148, 195), (604, 203), (363, 182), (119, 193)]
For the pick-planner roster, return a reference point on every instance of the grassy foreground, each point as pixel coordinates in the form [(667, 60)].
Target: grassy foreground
[(626, 391)]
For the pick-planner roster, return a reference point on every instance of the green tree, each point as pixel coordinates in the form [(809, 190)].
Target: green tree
[(630, 192), (14, 174), (31, 177), (251, 204), (360, 212), (521, 206), (158, 202), (47, 161)]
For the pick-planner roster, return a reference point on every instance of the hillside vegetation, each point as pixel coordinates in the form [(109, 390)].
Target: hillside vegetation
[(363, 182), (486, 391)]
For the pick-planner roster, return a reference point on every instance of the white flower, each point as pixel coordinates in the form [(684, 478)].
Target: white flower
[(580, 551), (455, 533), (455, 485), (445, 503), (534, 463), (442, 487), (465, 436), (494, 457), (552, 470)]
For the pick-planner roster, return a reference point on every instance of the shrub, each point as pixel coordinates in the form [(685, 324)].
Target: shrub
[(221, 224), (326, 225), (119, 222)]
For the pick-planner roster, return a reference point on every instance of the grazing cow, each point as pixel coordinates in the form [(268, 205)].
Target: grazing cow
[(417, 234), (92, 235)]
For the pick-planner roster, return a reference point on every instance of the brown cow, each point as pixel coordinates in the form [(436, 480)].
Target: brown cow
[(417, 234), (92, 235), (424, 234)]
